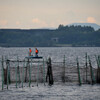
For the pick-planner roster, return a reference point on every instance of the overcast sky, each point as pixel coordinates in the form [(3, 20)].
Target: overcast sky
[(47, 13)]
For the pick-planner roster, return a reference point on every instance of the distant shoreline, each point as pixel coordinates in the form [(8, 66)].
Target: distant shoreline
[(44, 46), (63, 36)]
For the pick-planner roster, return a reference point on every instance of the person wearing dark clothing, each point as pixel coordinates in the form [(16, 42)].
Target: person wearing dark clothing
[(30, 51)]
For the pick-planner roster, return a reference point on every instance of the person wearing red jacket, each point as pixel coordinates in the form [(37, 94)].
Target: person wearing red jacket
[(36, 52)]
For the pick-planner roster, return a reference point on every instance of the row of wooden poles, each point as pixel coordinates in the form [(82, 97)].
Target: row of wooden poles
[(6, 72), (49, 74), (88, 61)]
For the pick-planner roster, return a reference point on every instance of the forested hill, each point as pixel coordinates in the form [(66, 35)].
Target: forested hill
[(62, 36)]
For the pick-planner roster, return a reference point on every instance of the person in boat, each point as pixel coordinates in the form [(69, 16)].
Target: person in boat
[(30, 51), (36, 52)]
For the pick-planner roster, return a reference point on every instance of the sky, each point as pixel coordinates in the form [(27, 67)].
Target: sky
[(32, 14)]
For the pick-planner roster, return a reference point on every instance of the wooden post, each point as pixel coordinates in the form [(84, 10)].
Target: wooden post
[(86, 66), (7, 72), (2, 63), (23, 73), (18, 70), (43, 72), (63, 72), (98, 69), (78, 72), (26, 70), (97, 60), (91, 70), (49, 72), (30, 70), (16, 74), (38, 73), (30, 73)]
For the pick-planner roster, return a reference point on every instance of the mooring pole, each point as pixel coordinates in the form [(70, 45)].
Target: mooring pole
[(78, 72), (43, 72), (2, 63), (86, 67), (91, 70)]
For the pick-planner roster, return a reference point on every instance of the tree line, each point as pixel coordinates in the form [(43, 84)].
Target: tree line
[(62, 36)]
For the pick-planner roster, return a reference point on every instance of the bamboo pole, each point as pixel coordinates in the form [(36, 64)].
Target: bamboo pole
[(79, 77)]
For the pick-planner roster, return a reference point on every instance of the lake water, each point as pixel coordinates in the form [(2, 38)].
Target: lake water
[(56, 53), (57, 91)]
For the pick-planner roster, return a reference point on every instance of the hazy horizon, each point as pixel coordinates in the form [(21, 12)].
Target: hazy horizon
[(35, 14)]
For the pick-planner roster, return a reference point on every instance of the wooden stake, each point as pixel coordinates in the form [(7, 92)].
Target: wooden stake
[(91, 70), (2, 63), (43, 72), (18, 70), (7, 73), (78, 72), (30, 73), (86, 67), (23, 73), (38, 73), (63, 74), (16, 74)]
